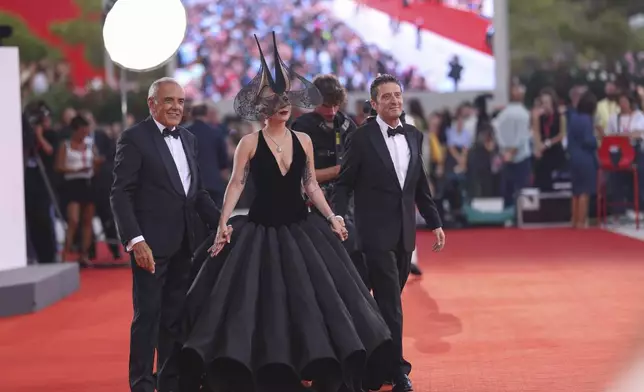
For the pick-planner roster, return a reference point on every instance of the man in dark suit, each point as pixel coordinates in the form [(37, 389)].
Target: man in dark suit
[(155, 195), (384, 171), (212, 153)]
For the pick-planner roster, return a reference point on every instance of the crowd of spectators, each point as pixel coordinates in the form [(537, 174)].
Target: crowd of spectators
[(219, 54), (476, 152), (465, 155), (633, 65), (37, 77)]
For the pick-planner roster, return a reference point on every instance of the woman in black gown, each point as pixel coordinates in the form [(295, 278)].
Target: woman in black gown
[(279, 301)]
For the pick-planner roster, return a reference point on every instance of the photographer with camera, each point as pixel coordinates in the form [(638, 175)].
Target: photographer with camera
[(330, 130), (39, 145)]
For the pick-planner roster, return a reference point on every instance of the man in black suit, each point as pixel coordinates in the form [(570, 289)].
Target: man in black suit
[(383, 169), (212, 154), (155, 195)]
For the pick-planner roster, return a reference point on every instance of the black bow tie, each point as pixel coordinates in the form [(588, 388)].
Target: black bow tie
[(391, 132), (168, 133)]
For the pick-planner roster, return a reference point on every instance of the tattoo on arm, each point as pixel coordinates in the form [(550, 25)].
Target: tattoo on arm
[(307, 175), (246, 171)]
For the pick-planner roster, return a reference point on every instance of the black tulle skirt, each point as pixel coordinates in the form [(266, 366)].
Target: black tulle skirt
[(281, 305)]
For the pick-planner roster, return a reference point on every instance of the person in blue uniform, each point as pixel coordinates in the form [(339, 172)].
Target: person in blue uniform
[(582, 148)]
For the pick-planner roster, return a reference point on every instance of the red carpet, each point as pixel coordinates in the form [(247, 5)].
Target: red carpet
[(104, 257), (498, 310), (466, 28)]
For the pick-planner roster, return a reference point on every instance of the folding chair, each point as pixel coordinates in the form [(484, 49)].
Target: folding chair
[(607, 164)]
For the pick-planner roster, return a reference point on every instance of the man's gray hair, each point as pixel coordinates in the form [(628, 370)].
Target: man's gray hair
[(154, 87)]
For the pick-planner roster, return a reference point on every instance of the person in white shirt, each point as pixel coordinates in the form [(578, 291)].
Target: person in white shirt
[(629, 122), (75, 160), (512, 131), (383, 169), (156, 194), (415, 269)]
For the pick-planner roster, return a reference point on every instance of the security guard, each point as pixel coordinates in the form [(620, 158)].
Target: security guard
[(331, 130)]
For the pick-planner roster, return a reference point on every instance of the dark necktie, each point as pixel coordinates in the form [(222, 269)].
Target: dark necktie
[(391, 132), (168, 133)]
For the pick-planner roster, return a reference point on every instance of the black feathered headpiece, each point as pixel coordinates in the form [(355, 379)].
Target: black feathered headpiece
[(265, 95)]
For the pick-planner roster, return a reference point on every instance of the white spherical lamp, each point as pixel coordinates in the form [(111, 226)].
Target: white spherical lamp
[(141, 35)]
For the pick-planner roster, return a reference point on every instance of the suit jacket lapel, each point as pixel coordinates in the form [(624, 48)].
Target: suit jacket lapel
[(381, 148), (189, 149), (414, 152), (166, 157)]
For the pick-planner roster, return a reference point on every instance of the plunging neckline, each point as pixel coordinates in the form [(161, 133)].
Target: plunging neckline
[(279, 168)]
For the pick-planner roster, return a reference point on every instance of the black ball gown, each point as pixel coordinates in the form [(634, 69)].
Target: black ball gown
[(282, 302)]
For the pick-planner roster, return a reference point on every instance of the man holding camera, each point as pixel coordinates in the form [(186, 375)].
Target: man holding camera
[(39, 144), (330, 130)]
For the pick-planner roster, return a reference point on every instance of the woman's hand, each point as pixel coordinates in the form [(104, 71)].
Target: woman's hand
[(82, 169), (222, 238), (440, 170), (338, 227)]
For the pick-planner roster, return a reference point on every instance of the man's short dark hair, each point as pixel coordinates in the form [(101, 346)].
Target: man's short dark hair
[(587, 103), (333, 93), (380, 80), (200, 110), (78, 122)]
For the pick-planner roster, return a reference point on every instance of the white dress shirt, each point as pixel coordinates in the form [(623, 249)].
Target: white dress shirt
[(398, 150), (633, 122), (180, 160)]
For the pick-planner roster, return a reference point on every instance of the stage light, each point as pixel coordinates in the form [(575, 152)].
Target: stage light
[(141, 35)]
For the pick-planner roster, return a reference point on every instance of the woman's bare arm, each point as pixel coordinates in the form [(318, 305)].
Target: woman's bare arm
[(241, 170)]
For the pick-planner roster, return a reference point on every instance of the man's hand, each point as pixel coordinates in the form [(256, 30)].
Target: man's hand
[(143, 256), (440, 240)]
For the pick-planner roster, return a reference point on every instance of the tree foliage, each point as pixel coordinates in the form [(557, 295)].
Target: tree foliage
[(570, 31), (105, 104), (32, 48), (85, 30)]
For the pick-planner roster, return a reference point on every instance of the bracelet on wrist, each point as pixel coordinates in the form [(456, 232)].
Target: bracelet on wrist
[(328, 218)]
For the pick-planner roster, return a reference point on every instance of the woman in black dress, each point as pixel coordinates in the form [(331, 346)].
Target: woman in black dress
[(549, 132), (279, 302)]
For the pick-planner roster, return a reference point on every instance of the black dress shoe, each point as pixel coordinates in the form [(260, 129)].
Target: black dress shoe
[(402, 384), (415, 270)]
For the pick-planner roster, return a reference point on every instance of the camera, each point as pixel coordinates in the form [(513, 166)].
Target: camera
[(367, 109), (33, 115), (36, 112), (6, 31)]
